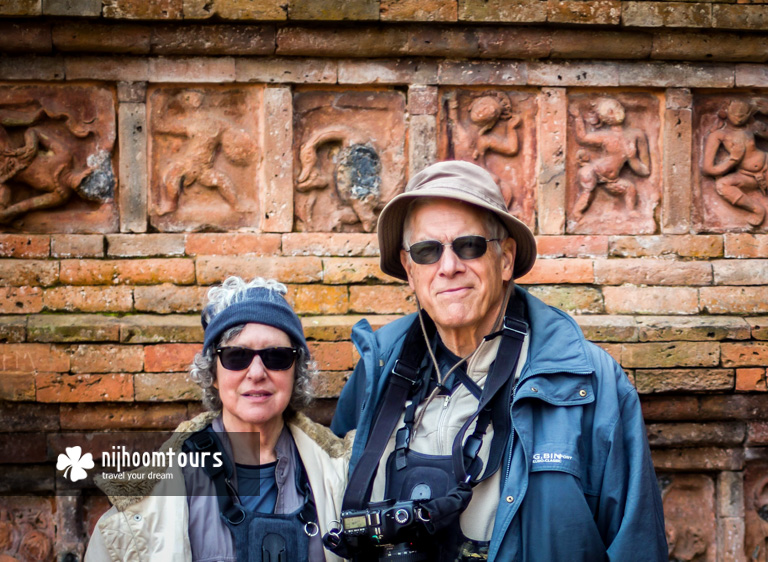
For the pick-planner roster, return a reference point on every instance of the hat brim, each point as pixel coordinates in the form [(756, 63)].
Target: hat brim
[(392, 221)]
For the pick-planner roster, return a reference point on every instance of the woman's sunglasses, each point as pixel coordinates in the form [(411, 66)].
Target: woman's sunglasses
[(240, 358), (466, 247)]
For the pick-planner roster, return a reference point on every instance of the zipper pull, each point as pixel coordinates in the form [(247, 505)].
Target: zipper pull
[(446, 401)]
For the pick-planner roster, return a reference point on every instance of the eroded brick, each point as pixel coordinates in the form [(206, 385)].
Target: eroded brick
[(652, 272), (318, 299), (696, 328), (378, 299), (13, 329), (650, 300), (746, 245), (88, 299), (169, 357), (571, 246), (696, 434), (705, 458), (173, 328), (552, 271), (288, 270), (167, 299), (166, 387), (232, 244), (17, 387), (21, 300), (333, 356), (734, 300), (740, 272), (330, 244), (20, 273), (337, 271), (142, 245), (56, 387), (106, 358), (77, 245), (591, 12), (211, 40), (24, 245), (121, 416), (72, 328), (607, 328), (578, 300), (759, 327), (32, 357), (150, 271), (418, 10), (670, 355), (751, 380), (745, 354), (688, 246), (653, 381), (94, 37)]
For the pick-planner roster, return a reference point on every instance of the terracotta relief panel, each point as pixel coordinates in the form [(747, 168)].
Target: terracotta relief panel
[(204, 158), (613, 163), (689, 516), (756, 510), (56, 152), (26, 529), (350, 158), (495, 129), (730, 155)]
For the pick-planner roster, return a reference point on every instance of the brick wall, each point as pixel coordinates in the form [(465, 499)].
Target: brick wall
[(260, 111)]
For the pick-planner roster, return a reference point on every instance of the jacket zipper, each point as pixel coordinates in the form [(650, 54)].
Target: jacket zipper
[(441, 422)]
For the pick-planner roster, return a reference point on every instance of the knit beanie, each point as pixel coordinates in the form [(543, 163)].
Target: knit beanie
[(259, 305)]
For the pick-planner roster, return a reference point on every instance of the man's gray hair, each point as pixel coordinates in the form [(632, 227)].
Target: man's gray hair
[(203, 368)]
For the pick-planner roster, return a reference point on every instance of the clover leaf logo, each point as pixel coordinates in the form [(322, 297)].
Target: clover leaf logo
[(74, 461)]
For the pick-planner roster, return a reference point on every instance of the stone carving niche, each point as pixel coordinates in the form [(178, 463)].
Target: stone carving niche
[(756, 510), (56, 172), (731, 149), (689, 516), (26, 530), (203, 171), (612, 163), (495, 129), (350, 158)]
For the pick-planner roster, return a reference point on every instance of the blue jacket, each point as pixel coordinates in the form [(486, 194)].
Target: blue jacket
[(578, 482)]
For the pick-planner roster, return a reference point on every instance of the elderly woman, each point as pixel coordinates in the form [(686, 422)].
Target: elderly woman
[(280, 479)]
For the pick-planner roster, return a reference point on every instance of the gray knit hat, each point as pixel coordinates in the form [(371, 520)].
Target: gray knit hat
[(458, 180)]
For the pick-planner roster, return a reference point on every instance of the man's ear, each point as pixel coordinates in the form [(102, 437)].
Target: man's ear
[(407, 265), (508, 252)]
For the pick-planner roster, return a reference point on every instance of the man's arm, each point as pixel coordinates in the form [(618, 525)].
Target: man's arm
[(350, 402)]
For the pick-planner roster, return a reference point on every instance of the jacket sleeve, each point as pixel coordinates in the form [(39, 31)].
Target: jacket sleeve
[(630, 513), (350, 402)]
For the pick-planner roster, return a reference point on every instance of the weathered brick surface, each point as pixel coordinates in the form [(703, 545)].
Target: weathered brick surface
[(169, 357), (106, 358), (687, 246), (333, 10), (28, 272), (679, 75), (601, 12), (701, 328), (88, 299), (235, 9), (167, 299), (418, 10), (338, 271), (705, 458), (571, 246), (578, 300), (77, 246), (696, 434), (25, 38), (136, 9), (666, 14), (191, 69), (130, 68), (121, 416), (29, 417), (335, 328), (482, 73), (140, 245), (165, 387), (746, 354), (514, 42), (17, 387), (24, 246), (330, 244), (288, 270), (746, 245), (20, 300), (57, 387), (286, 70), (573, 74), (32, 68), (653, 381), (708, 46), (651, 300), (751, 380), (277, 193), (128, 272), (386, 72), (32, 357), (652, 272), (759, 327), (676, 167), (232, 244), (212, 40), (757, 433), (608, 328), (571, 43), (675, 408), (328, 384), (740, 272), (333, 356), (132, 136), (13, 329), (101, 38), (737, 16), (552, 131), (72, 328), (552, 271), (378, 299), (502, 11), (670, 355), (21, 8), (317, 299), (734, 300), (173, 328)]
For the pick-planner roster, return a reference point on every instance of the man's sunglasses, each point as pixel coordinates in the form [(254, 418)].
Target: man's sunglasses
[(240, 358), (466, 247)]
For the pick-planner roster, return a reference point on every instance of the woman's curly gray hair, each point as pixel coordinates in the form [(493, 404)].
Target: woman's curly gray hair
[(203, 368)]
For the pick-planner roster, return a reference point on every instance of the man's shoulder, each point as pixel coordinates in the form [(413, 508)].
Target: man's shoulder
[(389, 334)]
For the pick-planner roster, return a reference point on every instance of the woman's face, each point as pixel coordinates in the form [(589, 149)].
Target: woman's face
[(256, 396)]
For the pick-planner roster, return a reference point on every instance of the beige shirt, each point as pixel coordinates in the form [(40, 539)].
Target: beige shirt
[(440, 424)]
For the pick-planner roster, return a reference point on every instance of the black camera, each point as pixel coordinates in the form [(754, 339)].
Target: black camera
[(390, 525)]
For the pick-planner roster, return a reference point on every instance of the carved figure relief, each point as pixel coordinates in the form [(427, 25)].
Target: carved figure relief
[(56, 159), (756, 511), (26, 530), (351, 158), (203, 171), (496, 130), (613, 186), (689, 517), (734, 160)]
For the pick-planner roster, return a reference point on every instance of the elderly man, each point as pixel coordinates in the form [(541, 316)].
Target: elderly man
[(487, 426)]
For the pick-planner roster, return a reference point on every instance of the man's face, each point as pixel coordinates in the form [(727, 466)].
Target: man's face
[(458, 294)]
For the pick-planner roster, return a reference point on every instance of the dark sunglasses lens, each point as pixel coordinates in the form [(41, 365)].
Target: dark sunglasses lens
[(278, 358), (426, 252), (236, 358), (470, 247)]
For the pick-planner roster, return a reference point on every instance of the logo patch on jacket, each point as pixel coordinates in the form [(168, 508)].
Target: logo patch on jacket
[(551, 457)]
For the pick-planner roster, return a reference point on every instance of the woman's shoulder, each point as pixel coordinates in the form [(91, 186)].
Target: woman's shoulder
[(306, 431)]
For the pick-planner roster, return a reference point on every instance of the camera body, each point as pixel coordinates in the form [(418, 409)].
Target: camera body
[(385, 524)]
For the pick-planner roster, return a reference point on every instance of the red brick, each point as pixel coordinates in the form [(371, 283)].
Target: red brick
[(386, 71), (745, 354), (482, 73), (333, 356), (192, 69), (21, 8), (28, 272), (519, 11), (265, 10), (602, 12), (652, 272), (172, 328), (670, 354), (759, 327), (422, 100), (165, 387), (751, 75), (328, 384), (677, 133), (740, 272), (734, 300), (692, 328), (286, 70), (333, 10), (22, 448), (130, 93), (739, 16), (318, 299), (169, 357), (77, 246), (612, 349), (277, 192), (650, 300), (213, 39), (166, 299), (708, 46), (683, 380), (93, 37), (29, 417), (679, 75), (757, 433), (89, 299), (55, 387), (552, 271), (551, 191), (688, 246), (72, 328), (337, 271), (418, 10), (138, 9), (32, 357), (578, 300), (24, 245), (32, 68), (706, 458), (571, 246), (732, 407), (17, 387), (669, 408), (666, 14), (124, 68), (106, 359), (378, 299), (697, 434), (590, 44), (130, 272), (25, 37), (232, 244), (746, 245), (21, 300), (13, 329), (514, 42), (113, 416), (141, 245), (607, 328), (751, 380), (287, 270), (337, 328), (330, 244), (573, 74)]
